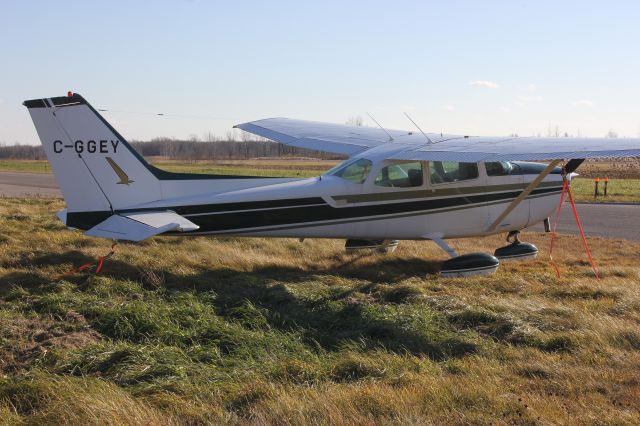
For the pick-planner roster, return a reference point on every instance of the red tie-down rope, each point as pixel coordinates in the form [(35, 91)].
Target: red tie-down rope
[(98, 264), (566, 189)]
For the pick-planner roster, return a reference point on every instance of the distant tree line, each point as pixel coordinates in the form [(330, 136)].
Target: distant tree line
[(190, 150), (22, 152)]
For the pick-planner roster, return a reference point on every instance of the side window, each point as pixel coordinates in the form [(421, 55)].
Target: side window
[(449, 171), (355, 172), (498, 168), (400, 175)]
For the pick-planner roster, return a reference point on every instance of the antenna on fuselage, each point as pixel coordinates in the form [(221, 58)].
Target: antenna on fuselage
[(418, 127), (383, 129)]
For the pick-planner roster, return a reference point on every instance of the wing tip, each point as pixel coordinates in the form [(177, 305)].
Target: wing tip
[(261, 120)]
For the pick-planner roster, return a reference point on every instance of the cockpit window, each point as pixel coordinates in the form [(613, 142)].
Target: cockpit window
[(450, 171), (400, 175), (498, 168), (355, 171)]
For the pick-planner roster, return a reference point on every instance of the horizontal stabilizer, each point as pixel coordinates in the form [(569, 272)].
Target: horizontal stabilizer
[(159, 219), (62, 215), (138, 226)]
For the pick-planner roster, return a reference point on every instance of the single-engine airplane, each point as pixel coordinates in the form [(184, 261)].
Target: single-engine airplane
[(394, 185)]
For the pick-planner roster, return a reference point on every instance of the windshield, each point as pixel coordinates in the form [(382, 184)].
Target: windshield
[(354, 171), (339, 166)]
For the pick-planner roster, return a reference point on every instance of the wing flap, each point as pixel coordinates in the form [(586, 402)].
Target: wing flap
[(138, 226)]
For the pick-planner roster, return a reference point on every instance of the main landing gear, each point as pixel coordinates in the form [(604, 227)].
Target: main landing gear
[(483, 263), (466, 265), (516, 250)]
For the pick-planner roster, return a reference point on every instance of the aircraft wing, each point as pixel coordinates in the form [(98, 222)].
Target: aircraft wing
[(473, 149), (350, 140), (138, 226), (336, 138)]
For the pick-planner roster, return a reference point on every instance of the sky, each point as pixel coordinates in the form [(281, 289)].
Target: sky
[(467, 67)]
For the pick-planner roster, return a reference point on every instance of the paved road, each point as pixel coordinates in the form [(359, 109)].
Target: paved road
[(14, 184), (602, 220), (606, 220)]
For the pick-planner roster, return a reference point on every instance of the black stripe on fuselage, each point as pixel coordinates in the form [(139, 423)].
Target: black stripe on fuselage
[(86, 220), (236, 216), (234, 207)]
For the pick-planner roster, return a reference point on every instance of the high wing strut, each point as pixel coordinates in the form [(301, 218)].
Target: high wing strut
[(437, 238), (524, 194)]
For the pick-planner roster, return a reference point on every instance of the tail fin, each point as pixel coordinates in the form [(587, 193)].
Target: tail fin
[(96, 169)]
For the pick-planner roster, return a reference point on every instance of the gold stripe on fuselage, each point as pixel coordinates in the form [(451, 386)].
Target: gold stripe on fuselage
[(433, 193)]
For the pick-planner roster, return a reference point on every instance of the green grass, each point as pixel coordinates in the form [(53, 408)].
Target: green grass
[(619, 190), (230, 170), (279, 169), (201, 330), (27, 166)]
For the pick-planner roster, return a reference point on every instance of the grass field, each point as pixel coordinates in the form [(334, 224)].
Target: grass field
[(201, 330), (619, 190), (625, 189), (261, 167), (27, 166)]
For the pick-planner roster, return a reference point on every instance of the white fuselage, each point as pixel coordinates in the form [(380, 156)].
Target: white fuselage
[(331, 207)]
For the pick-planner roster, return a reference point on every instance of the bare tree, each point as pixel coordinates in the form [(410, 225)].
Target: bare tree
[(611, 134), (553, 131), (355, 121), (190, 150), (22, 152)]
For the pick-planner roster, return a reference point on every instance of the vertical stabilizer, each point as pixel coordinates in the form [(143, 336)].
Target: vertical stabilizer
[(96, 169)]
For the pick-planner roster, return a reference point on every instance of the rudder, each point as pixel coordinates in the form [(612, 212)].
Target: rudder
[(95, 167)]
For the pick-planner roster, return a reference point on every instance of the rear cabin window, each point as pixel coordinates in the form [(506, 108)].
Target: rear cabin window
[(498, 168), (450, 171), (356, 171), (400, 175)]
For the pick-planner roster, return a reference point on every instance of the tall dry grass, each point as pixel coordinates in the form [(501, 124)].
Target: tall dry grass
[(259, 331)]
